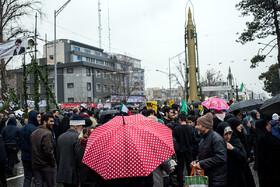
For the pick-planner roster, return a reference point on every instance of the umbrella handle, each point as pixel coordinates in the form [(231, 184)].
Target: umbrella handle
[(123, 119)]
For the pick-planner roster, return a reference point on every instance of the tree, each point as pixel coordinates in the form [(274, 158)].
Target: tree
[(11, 14), (264, 24), (180, 75), (213, 78), (271, 80)]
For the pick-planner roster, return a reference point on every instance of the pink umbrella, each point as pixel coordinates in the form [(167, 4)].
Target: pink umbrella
[(128, 146), (215, 103)]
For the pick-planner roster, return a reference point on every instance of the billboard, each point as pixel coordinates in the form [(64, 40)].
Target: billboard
[(13, 47)]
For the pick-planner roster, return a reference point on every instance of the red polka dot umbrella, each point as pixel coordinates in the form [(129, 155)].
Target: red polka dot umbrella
[(128, 146)]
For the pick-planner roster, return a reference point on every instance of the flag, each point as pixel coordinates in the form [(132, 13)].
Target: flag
[(201, 113), (5, 95), (108, 101), (184, 107), (124, 108), (242, 88)]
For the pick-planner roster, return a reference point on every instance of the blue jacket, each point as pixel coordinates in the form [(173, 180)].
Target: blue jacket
[(25, 133), (3, 157), (10, 133)]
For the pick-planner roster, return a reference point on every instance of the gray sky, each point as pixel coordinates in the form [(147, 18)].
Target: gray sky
[(153, 31)]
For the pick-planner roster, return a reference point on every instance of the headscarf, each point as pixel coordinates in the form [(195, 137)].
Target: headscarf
[(83, 137)]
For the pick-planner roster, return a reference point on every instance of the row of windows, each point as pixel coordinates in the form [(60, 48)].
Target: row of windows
[(95, 61), (72, 100), (98, 87), (87, 51)]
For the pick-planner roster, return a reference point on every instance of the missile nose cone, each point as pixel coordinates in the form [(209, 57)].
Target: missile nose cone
[(190, 14)]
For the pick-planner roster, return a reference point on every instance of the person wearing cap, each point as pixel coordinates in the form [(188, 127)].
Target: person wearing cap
[(275, 123), (212, 152), (66, 160), (83, 108), (236, 156)]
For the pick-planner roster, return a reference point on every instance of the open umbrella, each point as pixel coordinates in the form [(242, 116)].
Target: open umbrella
[(271, 105), (128, 146), (215, 103), (246, 105)]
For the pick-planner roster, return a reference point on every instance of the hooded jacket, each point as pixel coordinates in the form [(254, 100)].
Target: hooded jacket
[(25, 133), (10, 133)]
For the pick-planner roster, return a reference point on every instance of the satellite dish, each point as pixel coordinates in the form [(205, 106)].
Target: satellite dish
[(30, 43)]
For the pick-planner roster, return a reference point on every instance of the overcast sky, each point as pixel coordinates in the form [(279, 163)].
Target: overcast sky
[(153, 31)]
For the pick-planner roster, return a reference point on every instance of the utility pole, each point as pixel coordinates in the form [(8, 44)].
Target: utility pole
[(170, 80), (54, 56), (99, 20)]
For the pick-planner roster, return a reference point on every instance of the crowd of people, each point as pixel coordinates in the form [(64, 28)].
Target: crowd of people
[(227, 146)]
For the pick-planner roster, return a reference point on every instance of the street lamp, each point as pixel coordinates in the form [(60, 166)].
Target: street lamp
[(55, 64), (169, 75)]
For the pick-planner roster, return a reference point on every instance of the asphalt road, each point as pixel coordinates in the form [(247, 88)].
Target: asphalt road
[(17, 181)]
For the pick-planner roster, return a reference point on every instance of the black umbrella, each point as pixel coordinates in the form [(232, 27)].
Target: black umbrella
[(246, 105), (271, 105)]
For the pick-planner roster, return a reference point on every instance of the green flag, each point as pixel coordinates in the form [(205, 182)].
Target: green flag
[(123, 108), (184, 107), (242, 88)]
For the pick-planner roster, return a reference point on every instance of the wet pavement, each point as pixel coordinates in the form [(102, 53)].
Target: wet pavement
[(17, 181)]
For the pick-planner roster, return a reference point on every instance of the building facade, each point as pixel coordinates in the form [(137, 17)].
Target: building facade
[(85, 73)]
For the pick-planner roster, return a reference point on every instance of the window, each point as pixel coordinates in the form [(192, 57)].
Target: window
[(80, 58), (98, 87), (52, 88), (88, 72), (96, 53), (70, 70), (89, 99), (104, 55), (88, 86), (100, 62), (87, 51), (51, 74), (70, 85), (105, 88), (70, 99), (104, 75), (51, 57), (112, 88), (88, 59), (98, 73), (76, 48)]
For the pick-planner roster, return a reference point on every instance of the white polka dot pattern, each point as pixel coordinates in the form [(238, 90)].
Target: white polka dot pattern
[(136, 148)]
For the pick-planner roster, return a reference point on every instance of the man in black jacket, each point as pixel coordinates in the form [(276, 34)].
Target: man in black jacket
[(212, 153), (185, 137)]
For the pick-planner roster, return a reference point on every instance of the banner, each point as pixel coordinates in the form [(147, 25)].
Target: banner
[(13, 47), (131, 99), (77, 105), (151, 105)]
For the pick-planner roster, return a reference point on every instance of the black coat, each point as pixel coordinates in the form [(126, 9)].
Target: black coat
[(66, 158), (3, 156), (10, 133), (87, 176), (236, 160), (185, 137), (267, 156), (234, 122), (213, 158)]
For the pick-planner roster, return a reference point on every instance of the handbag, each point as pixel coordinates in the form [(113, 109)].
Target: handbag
[(196, 179)]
